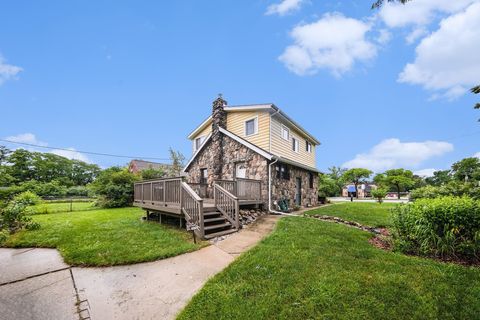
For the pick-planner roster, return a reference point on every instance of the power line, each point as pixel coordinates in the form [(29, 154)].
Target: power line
[(86, 152)]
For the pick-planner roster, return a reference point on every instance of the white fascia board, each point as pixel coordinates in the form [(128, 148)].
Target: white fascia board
[(200, 127), (197, 152)]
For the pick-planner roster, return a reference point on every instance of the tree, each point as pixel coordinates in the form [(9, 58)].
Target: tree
[(439, 178), (399, 179), (4, 152), (356, 176), (152, 173), (476, 90), (115, 187), (379, 194), (178, 162), (467, 169), (327, 187), (377, 4)]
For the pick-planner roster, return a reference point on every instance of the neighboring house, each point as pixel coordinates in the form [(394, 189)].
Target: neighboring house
[(364, 190), (136, 166), (242, 156)]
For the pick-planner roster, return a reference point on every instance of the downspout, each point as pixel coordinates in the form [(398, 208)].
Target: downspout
[(270, 189), (270, 169)]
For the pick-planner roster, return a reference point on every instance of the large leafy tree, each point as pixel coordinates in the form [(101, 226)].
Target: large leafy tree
[(439, 178), (397, 179), (356, 176), (467, 169)]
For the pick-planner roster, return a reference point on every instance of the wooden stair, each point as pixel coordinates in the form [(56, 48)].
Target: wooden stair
[(216, 225)]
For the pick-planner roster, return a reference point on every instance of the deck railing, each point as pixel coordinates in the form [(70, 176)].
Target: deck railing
[(243, 189), (192, 208), (159, 192), (201, 189), (227, 204)]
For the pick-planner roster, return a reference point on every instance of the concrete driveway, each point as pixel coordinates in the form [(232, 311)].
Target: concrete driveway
[(36, 284)]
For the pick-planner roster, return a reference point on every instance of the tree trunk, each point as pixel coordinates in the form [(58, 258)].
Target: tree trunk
[(398, 192), (356, 191)]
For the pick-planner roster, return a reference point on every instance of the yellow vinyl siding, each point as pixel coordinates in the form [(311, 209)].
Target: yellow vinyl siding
[(284, 148), (236, 124), (204, 133)]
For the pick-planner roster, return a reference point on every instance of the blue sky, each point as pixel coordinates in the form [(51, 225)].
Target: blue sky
[(379, 89)]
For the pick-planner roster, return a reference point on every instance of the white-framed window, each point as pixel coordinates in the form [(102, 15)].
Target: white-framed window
[(198, 142), (308, 146), (285, 133), (251, 126), (295, 144)]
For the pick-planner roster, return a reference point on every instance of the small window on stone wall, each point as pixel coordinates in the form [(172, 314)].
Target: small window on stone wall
[(311, 179), (203, 176), (283, 171)]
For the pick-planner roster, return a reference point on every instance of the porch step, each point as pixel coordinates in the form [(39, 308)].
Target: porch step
[(220, 233), (218, 226), (210, 214), (214, 219)]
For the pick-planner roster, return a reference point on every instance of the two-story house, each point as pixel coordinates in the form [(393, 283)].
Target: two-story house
[(242, 156), (258, 142)]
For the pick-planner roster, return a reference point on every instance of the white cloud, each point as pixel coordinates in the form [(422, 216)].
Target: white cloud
[(419, 12), (447, 60), (71, 153), (477, 155), (416, 34), (384, 36), (334, 42), (30, 138), (7, 71), (425, 172), (284, 7), (392, 153)]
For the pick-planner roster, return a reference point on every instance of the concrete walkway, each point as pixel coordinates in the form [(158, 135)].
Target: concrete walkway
[(36, 284)]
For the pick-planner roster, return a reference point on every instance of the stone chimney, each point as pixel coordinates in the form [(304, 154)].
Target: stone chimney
[(219, 120)]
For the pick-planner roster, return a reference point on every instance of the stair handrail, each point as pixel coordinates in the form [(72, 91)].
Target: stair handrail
[(192, 207), (227, 204)]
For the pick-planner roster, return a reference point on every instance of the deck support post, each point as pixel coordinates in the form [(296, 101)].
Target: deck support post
[(181, 223)]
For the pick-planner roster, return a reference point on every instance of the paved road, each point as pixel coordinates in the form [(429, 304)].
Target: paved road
[(342, 199), (36, 284)]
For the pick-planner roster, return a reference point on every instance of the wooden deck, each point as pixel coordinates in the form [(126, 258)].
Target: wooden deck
[(206, 216)]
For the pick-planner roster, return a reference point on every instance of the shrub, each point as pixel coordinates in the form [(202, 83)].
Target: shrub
[(3, 236), (78, 191), (446, 227), (28, 198), (427, 192), (379, 194), (114, 186), (14, 217)]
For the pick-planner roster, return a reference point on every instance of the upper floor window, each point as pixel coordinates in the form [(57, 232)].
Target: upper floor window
[(198, 142), (285, 133), (251, 126), (295, 145), (309, 146)]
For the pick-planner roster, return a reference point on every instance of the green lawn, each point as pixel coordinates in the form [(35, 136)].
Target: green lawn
[(311, 269), (105, 237), (370, 214), (54, 207)]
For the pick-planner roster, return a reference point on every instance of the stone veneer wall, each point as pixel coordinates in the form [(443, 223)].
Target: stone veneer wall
[(233, 152), (287, 188)]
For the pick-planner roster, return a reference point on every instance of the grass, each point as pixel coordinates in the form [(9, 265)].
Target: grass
[(55, 207), (310, 269), (370, 214), (105, 237)]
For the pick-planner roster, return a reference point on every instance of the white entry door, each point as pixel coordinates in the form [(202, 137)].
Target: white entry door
[(241, 170)]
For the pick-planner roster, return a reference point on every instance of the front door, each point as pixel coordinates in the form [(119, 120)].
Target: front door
[(298, 192), (241, 170)]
